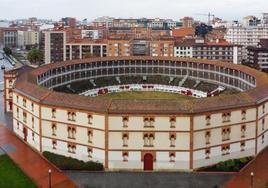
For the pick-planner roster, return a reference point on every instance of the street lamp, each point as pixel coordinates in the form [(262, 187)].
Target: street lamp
[(251, 179), (49, 178)]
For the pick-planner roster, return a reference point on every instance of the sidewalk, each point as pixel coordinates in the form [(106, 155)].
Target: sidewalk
[(31, 162), (260, 169)]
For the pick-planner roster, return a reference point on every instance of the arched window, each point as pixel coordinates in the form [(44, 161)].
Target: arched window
[(207, 137), (54, 128), (172, 140), (243, 131), (125, 121), (90, 136), (146, 122), (125, 139), (151, 140), (90, 118), (69, 129), (172, 122), (146, 140), (54, 144), (207, 153), (125, 156), (208, 118), (90, 152), (172, 156)]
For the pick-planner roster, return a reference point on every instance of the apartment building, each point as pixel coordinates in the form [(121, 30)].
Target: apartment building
[(258, 56), (246, 36), (54, 46), (121, 46), (9, 37), (86, 48), (213, 50), (187, 22), (162, 47)]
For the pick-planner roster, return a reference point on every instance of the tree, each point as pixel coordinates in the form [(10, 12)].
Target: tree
[(202, 30), (7, 51), (35, 56)]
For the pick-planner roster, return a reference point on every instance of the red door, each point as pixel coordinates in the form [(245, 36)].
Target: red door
[(10, 106), (25, 133), (148, 162)]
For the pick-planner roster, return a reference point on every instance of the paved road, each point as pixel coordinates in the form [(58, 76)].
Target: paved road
[(8, 66), (5, 119), (35, 166), (148, 180)]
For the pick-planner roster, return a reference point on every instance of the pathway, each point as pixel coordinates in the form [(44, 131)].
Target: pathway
[(31, 162)]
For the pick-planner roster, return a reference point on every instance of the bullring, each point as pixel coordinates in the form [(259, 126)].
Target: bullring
[(149, 134)]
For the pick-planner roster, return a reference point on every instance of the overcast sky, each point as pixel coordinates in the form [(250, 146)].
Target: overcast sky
[(90, 9)]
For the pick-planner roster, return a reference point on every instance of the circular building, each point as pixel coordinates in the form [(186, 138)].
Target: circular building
[(56, 108)]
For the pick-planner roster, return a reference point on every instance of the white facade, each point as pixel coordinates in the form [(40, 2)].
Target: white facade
[(246, 36), (183, 51), (123, 145)]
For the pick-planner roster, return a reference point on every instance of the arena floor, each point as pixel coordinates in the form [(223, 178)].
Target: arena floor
[(145, 95)]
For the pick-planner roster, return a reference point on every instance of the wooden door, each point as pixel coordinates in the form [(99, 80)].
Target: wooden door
[(148, 162)]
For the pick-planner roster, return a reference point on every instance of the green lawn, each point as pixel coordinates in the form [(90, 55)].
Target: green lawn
[(144, 95), (11, 176)]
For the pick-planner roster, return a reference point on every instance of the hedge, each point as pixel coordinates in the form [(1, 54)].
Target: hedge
[(232, 165), (69, 163)]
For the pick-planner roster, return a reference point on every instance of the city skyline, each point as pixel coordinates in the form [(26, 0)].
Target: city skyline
[(118, 8)]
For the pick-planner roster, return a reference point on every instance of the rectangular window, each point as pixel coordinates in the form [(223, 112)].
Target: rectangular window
[(24, 117), (24, 102)]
